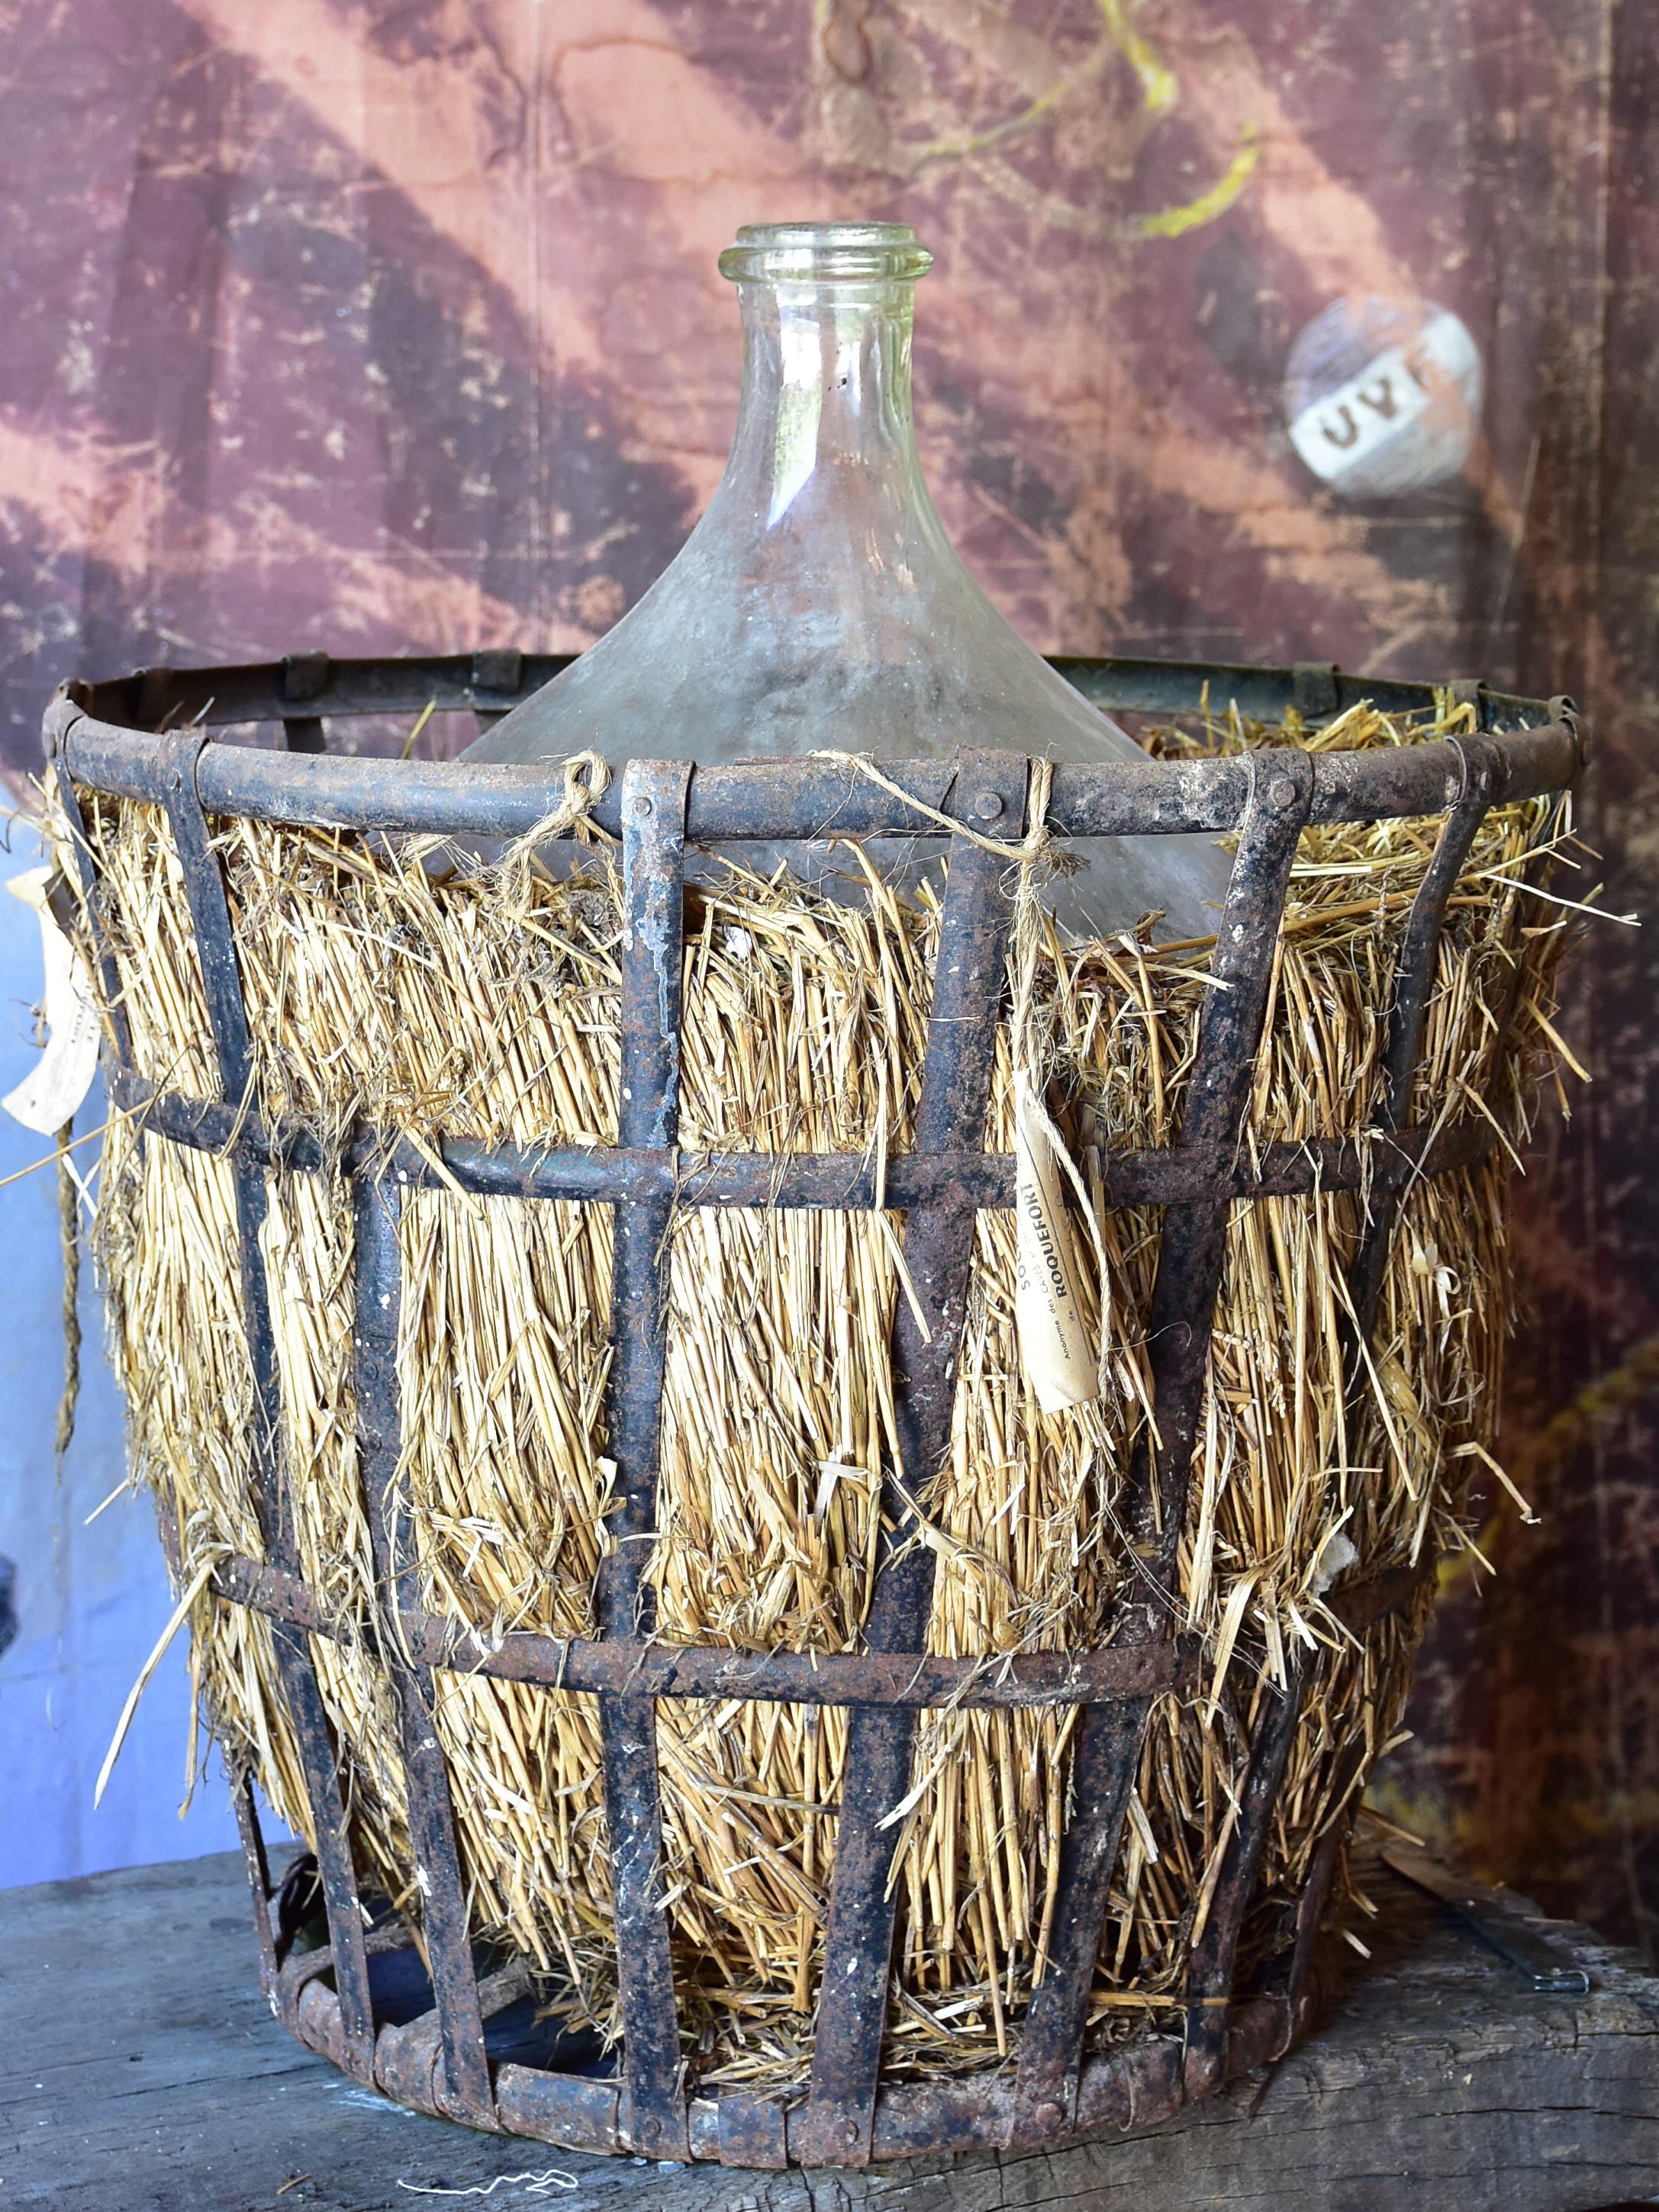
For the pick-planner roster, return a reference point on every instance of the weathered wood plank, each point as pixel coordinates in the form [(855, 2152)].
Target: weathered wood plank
[(147, 2072)]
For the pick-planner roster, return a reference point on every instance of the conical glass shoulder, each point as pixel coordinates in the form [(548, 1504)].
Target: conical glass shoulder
[(819, 603)]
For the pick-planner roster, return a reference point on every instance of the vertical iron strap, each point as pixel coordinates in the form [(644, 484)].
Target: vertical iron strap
[(377, 1283), (652, 2114), (1190, 1258), (1414, 975), (1211, 1971), (215, 947), (1209, 1982), (1309, 1912), (970, 988), (259, 1879), (110, 992)]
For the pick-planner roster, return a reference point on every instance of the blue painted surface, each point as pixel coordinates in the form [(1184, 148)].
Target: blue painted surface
[(90, 1602)]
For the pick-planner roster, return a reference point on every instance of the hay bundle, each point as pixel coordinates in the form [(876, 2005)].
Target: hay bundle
[(420, 992)]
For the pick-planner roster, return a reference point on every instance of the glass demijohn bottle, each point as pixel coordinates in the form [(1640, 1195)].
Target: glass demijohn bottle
[(818, 603)]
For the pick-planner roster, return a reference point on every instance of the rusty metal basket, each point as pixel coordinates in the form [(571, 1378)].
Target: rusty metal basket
[(447, 2048)]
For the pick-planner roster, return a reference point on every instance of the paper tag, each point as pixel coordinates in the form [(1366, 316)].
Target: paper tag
[(1335, 1558), (831, 1472), (49, 1095), (1054, 1335)]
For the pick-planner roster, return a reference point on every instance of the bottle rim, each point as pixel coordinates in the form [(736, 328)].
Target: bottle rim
[(825, 253)]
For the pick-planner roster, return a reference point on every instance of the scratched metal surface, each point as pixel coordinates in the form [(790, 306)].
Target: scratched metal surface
[(374, 326)]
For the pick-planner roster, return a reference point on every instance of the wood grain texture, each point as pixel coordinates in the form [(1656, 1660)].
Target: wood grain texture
[(147, 2072)]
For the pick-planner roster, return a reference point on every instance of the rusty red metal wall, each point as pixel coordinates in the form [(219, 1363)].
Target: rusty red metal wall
[(375, 326)]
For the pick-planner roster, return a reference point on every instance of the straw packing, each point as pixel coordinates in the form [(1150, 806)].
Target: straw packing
[(413, 989)]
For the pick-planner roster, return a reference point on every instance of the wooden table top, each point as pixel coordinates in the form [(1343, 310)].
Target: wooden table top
[(143, 2073)]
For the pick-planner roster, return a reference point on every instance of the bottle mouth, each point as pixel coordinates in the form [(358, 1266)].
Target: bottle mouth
[(825, 253)]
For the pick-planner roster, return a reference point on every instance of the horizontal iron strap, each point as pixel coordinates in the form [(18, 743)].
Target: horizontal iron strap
[(785, 800), (625, 1666), (268, 691), (602, 1174)]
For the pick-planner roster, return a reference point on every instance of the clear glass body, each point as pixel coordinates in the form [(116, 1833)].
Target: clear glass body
[(818, 603)]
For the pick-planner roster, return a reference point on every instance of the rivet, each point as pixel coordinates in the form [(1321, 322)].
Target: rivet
[(641, 805), (988, 806), (849, 2130), (1451, 791), (1281, 794)]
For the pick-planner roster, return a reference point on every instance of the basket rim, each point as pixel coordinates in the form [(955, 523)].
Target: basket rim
[(110, 738)]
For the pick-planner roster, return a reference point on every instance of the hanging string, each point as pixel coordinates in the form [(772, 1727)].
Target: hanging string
[(1061, 1356), (69, 1238)]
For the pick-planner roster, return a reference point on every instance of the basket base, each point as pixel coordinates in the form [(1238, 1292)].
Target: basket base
[(1126, 2092)]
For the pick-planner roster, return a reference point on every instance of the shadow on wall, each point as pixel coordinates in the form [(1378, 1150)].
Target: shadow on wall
[(80, 1606)]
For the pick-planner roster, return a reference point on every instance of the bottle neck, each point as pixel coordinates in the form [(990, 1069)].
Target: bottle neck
[(824, 413)]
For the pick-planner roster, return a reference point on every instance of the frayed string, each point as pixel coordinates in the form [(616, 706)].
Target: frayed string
[(536, 2183), (586, 779)]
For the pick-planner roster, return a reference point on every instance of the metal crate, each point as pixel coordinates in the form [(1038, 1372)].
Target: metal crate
[(150, 737)]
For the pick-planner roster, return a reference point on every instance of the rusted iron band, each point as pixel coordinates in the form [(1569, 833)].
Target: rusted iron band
[(787, 799), (1414, 980), (1210, 1971), (969, 986), (1190, 1258), (464, 2085), (1309, 1912), (624, 1667), (1128, 2090), (216, 945), (1194, 1243), (117, 1049), (627, 1667), (653, 2110), (258, 1869), (496, 679), (606, 1175)]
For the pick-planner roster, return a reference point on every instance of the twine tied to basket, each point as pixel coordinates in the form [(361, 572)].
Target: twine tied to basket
[(1036, 847), (586, 779)]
